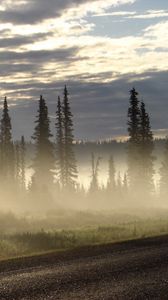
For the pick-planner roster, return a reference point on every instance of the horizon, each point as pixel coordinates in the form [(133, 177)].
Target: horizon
[(161, 133), (99, 50), (83, 149)]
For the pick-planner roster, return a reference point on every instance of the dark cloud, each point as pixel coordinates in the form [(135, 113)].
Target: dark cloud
[(17, 41), (35, 11), (40, 55), (100, 109), (6, 70)]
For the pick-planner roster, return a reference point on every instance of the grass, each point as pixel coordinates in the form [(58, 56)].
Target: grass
[(28, 243)]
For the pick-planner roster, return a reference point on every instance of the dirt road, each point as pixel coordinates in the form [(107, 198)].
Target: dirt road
[(129, 270)]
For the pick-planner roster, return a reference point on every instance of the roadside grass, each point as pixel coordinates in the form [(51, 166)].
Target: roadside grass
[(32, 243)]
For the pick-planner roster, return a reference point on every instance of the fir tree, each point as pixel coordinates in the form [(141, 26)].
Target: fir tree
[(134, 138), (111, 174), (17, 164), (7, 148), (70, 168), (134, 117), (44, 158), (60, 143), (94, 185), (146, 152), (164, 173), (22, 163)]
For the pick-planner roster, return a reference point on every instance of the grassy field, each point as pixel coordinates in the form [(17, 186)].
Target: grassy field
[(28, 243)]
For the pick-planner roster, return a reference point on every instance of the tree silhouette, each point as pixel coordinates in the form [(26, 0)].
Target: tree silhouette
[(111, 175), (44, 158), (146, 151), (7, 149), (22, 163), (17, 164), (70, 168), (60, 143), (137, 181), (164, 173), (134, 138), (94, 186)]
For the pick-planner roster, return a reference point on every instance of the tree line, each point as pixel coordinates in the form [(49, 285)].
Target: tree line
[(54, 164)]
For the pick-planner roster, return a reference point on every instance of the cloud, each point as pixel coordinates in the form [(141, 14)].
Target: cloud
[(8, 70), (28, 12), (116, 14), (62, 56), (39, 56), (20, 40), (35, 11), (150, 14), (45, 44), (100, 109)]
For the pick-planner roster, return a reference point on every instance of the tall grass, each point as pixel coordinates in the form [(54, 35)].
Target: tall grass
[(29, 243)]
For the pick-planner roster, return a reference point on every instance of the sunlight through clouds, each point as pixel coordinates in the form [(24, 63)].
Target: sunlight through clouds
[(44, 44), (71, 29)]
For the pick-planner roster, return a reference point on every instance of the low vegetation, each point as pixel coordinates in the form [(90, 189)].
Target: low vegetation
[(14, 243)]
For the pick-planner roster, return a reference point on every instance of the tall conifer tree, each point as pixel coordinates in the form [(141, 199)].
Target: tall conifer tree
[(17, 163), (60, 143), (22, 163), (164, 174), (111, 174), (94, 185), (44, 158), (146, 152), (134, 139), (7, 148), (70, 168)]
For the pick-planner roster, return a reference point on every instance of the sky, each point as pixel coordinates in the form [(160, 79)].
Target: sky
[(99, 49)]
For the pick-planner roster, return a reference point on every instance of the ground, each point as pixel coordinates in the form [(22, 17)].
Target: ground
[(129, 270)]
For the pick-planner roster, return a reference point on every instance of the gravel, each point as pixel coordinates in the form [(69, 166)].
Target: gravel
[(129, 270)]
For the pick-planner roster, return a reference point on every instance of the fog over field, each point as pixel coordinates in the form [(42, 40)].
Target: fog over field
[(56, 172), (59, 193), (83, 123)]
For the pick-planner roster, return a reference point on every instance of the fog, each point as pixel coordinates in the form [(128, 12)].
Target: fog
[(101, 198), (57, 193), (101, 207)]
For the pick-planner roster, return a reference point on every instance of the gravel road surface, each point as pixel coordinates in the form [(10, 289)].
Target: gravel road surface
[(129, 270)]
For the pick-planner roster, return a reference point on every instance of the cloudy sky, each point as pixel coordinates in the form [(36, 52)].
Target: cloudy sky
[(99, 48)]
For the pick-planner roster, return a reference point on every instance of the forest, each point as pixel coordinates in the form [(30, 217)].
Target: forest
[(44, 175), (58, 193)]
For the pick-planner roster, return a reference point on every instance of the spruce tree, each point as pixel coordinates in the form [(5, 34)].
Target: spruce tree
[(44, 157), (60, 143), (111, 174), (164, 174), (134, 139), (146, 152), (17, 164), (22, 163), (7, 148), (70, 168), (94, 185)]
